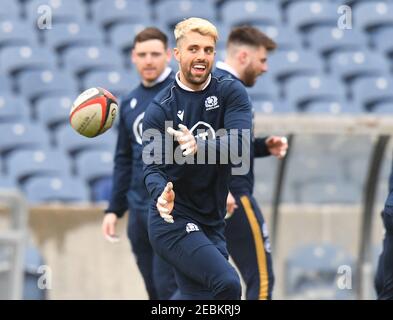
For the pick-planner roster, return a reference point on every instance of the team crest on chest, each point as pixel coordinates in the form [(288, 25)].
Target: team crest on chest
[(137, 128), (211, 103), (133, 103)]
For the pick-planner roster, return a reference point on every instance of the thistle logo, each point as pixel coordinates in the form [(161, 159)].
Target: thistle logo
[(137, 128), (211, 103), (133, 103), (191, 227)]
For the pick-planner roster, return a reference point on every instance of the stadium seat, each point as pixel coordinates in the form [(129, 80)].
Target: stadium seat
[(305, 15), (69, 140), (16, 59), (286, 38), (312, 267), (54, 111), (170, 12), (94, 164), (285, 64), (118, 82), (13, 108), (303, 90), (5, 84), (101, 190), (334, 107), (327, 39), (109, 13), (61, 10), (272, 106), (122, 35), (379, 40), (371, 91), (16, 33), (354, 64), (383, 108), (264, 87), (46, 83), (330, 191), (371, 15), (7, 182), (239, 12), (56, 189), (22, 135), (82, 60), (25, 164), (65, 35), (9, 8)]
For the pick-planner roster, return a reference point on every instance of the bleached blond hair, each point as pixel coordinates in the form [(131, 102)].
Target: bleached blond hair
[(202, 26)]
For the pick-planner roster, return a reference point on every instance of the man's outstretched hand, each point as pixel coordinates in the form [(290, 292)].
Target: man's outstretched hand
[(185, 138), (166, 202)]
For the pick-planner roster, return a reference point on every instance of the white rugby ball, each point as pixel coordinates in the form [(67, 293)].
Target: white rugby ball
[(93, 112)]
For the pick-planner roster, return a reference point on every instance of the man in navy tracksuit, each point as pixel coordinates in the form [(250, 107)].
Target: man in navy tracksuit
[(186, 218), (384, 276), (246, 231), (150, 55)]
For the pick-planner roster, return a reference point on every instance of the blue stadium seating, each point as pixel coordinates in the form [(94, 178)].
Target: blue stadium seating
[(81, 60), (369, 92), (16, 59), (93, 165), (286, 38), (334, 107), (53, 189), (306, 15), (263, 88), (117, 82), (9, 8), (353, 64), (46, 83), (25, 164), (383, 108), (122, 35), (239, 12), (313, 267), (21, 135), (303, 90), (284, 64), (70, 141), (273, 105), (15, 32), (5, 84), (109, 13), (13, 108), (371, 15), (328, 39), (170, 12), (7, 182), (54, 111), (380, 42), (65, 35), (61, 10)]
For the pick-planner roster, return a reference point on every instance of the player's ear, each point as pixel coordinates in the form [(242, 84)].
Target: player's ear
[(243, 56), (176, 54)]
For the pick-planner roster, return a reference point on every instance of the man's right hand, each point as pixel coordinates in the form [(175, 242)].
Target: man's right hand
[(166, 202), (109, 227)]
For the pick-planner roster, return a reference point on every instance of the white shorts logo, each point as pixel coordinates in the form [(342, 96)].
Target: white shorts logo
[(191, 227), (211, 103), (137, 128)]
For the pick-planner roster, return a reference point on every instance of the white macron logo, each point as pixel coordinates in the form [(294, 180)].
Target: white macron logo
[(191, 227), (133, 103), (180, 114), (211, 103)]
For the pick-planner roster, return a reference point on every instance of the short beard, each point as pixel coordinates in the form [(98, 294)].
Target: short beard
[(249, 77)]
